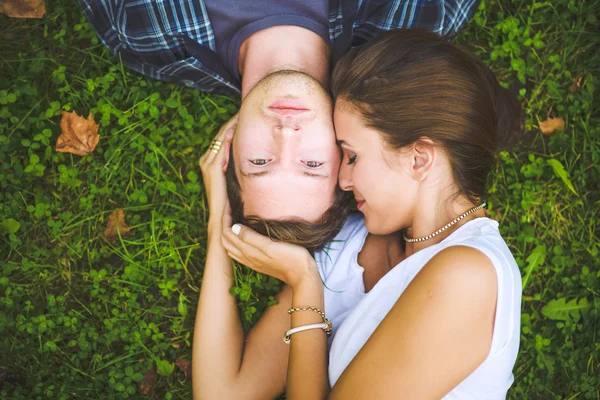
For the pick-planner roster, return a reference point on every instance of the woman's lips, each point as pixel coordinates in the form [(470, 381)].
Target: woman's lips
[(288, 107), (360, 204)]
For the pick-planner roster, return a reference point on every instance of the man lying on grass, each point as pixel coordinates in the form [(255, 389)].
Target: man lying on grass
[(278, 57), (419, 297)]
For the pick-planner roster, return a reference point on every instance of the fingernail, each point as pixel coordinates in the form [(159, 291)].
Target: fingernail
[(236, 229)]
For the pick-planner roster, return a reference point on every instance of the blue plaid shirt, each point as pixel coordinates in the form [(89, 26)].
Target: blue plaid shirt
[(154, 37)]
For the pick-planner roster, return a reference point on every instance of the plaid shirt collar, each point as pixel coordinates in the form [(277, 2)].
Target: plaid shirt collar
[(174, 41)]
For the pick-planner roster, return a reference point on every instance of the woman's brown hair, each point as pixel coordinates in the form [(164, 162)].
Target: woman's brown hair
[(412, 84)]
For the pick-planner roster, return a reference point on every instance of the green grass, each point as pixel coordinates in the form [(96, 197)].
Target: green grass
[(81, 317)]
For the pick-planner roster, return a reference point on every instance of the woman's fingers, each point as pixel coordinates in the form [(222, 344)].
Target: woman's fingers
[(247, 249), (220, 140), (252, 238), (227, 218), (215, 150), (236, 258), (227, 143), (236, 254), (231, 249)]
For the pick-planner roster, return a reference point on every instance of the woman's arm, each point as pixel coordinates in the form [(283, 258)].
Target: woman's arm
[(307, 376), (224, 365), (437, 333)]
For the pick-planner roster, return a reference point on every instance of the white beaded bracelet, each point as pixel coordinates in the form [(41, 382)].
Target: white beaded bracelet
[(324, 326)]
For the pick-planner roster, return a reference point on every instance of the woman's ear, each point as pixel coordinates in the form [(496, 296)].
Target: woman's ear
[(228, 142), (424, 155)]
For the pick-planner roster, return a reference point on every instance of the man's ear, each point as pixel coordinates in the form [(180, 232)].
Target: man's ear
[(424, 156), (227, 144)]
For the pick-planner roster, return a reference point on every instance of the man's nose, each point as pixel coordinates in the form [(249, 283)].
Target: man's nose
[(288, 125), (287, 136), (345, 177), (286, 133), (288, 130)]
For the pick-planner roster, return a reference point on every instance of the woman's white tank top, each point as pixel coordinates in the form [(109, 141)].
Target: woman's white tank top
[(355, 315)]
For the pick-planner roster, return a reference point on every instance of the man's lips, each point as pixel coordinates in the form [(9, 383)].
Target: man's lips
[(288, 107)]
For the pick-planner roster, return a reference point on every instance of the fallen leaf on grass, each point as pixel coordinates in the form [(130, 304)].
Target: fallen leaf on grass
[(116, 224), (184, 366), (79, 135), (576, 86), (23, 8), (146, 385), (551, 124)]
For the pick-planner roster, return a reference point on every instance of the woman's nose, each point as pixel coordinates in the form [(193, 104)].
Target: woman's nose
[(345, 177)]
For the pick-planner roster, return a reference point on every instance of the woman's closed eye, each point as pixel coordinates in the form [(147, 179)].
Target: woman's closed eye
[(351, 160)]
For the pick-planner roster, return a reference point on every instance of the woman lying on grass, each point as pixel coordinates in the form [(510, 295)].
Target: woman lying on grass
[(422, 291)]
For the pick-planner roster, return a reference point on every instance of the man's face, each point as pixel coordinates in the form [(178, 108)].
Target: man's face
[(286, 157)]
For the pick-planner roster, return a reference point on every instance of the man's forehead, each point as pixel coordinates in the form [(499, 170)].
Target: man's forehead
[(274, 197), (278, 184)]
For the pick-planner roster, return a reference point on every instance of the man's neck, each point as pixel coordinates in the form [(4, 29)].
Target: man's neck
[(283, 48)]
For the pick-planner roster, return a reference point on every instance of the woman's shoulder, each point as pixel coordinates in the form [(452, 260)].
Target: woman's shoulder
[(480, 263), (464, 269), (482, 235)]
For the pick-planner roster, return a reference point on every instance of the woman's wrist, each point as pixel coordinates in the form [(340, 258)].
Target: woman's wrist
[(214, 229), (215, 221), (306, 278)]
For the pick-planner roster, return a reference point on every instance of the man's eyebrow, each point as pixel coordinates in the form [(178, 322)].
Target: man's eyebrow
[(313, 175), (263, 173), (255, 174)]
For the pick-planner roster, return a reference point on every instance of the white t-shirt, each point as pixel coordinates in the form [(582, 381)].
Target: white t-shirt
[(356, 315)]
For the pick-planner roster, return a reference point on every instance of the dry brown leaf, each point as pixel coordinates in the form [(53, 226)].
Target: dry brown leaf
[(576, 86), (184, 366), (146, 385), (23, 8), (551, 124), (79, 135), (116, 224)]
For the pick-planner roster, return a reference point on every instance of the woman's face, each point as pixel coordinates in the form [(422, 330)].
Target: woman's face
[(380, 179)]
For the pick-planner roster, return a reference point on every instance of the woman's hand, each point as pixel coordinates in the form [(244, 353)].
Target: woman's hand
[(213, 166), (289, 263)]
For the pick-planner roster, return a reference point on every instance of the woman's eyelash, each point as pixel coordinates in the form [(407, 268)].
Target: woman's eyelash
[(259, 161), (313, 164), (351, 160)]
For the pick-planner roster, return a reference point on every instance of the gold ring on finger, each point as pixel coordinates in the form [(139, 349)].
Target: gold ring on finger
[(216, 142)]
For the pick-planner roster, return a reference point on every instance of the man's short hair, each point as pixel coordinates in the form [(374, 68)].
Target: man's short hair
[(311, 235)]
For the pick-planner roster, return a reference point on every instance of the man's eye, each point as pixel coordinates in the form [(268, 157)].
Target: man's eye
[(259, 161), (313, 164)]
